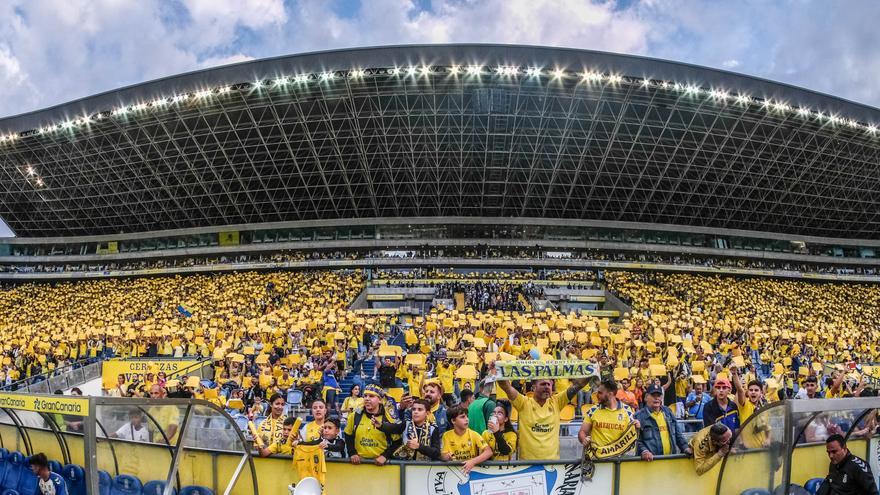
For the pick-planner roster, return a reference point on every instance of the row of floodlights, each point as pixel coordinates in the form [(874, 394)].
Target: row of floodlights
[(468, 70)]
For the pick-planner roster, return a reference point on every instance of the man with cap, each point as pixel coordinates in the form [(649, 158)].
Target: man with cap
[(659, 433), (363, 435), (721, 409)]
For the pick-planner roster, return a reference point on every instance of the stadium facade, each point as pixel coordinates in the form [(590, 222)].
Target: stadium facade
[(451, 144)]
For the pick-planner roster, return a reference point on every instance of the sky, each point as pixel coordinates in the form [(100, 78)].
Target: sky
[(53, 51)]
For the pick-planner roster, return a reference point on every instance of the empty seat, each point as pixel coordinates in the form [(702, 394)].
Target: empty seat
[(10, 492), (126, 485), (813, 485), (75, 476), (4, 461), (55, 467), (156, 487), (196, 490), (27, 483), (756, 491), (105, 482), (15, 466)]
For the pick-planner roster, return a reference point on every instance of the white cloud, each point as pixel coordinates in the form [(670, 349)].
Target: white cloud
[(53, 51)]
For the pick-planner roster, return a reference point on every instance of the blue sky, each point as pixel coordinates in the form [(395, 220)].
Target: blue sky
[(52, 51)]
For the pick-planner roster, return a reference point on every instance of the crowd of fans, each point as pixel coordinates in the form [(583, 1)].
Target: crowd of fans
[(484, 252), (710, 348)]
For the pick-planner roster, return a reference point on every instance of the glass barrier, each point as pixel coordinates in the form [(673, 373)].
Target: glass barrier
[(758, 450)]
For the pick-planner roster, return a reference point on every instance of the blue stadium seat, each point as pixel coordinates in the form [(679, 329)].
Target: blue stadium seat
[(10, 492), (126, 485), (104, 483), (156, 487), (813, 485), (793, 489), (258, 420), (14, 469), (76, 479), (241, 421), (55, 467), (756, 491), (294, 397), (196, 490), (27, 483), (4, 462)]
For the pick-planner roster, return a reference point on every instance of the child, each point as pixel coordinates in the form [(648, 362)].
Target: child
[(335, 445), (500, 435), (421, 437), (284, 445), (463, 444)]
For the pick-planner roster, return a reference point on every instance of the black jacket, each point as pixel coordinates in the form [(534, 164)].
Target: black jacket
[(851, 477)]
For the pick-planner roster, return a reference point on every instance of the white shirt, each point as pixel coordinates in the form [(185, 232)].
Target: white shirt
[(128, 432)]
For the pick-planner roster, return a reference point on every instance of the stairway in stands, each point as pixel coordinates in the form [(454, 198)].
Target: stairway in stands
[(369, 367)]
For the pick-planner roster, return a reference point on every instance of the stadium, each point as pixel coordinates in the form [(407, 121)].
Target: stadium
[(398, 220)]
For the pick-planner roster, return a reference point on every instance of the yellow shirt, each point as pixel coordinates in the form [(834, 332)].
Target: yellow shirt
[(352, 403), (369, 441), (660, 418), (509, 437), (312, 432), (462, 447), (608, 424), (279, 447), (166, 416), (745, 411), (285, 382), (446, 375), (539, 426)]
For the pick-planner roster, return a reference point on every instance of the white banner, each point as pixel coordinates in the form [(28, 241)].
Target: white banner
[(550, 479)]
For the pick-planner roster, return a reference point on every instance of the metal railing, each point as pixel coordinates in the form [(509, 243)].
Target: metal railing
[(60, 379)]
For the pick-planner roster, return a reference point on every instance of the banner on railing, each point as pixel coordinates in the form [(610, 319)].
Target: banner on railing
[(550, 479), (51, 405), (131, 368), (547, 370)]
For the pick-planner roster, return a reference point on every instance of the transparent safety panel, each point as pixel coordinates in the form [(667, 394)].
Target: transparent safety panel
[(757, 454)]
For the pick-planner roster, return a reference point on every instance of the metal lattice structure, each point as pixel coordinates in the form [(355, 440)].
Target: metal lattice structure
[(359, 134)]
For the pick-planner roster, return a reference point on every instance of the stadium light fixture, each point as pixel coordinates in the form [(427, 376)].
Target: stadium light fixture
[(30, 170), (615, 78), (871, 128), (507, 70), (454, 70), (410, 71), (533, 71), (203, 94), (357, 73), (743, 99), (558, 73), (394, 71), (646, 82), (301, 78), (803, 112), (258, 83), (719, 94), (327, 76), (39, 182), (424, 70), (591, 76), (475, 70)]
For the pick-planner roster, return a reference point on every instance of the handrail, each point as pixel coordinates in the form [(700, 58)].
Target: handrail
[(49, 374)]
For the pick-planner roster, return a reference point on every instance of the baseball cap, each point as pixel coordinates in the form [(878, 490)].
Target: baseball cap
[(654, 389), (722, 381)]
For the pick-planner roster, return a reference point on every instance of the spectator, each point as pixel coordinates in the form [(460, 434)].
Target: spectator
[(481, 408), (271, 427), (364, 438), (625, 395), (608, 419), (659, 433), (810, 390), (696, 401), (721, 409), (353, 401), (420, 436), (284, 444), (334, 445), (709, 446), (466, 397), (48, 482), (847, 474), (463, 444), (314, 429), (539, 416), (500, 434)]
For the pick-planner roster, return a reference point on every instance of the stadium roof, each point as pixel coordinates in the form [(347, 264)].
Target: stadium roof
[(448, 130)]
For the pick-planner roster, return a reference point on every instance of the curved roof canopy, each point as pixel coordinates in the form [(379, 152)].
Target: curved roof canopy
[(449, 130)]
